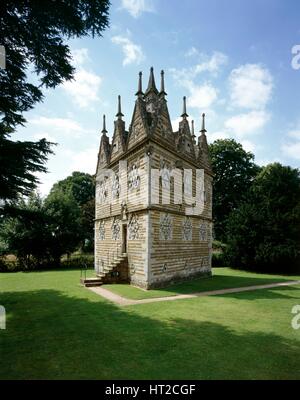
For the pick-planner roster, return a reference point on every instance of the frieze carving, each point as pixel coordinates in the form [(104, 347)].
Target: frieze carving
[(165, 227), (115, 186), (134, 178), (115, 229), (165, 175), (203, 232), (102, 230), (133, 228), (187, 229), (102, 191)]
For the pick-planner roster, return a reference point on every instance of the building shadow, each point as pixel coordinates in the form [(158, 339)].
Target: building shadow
[(219, 282), (51, 335)]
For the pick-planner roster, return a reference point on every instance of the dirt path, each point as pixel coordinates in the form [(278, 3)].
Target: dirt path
[(122, 301)]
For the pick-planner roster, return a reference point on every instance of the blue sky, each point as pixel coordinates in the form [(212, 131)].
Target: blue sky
[(232, 59)]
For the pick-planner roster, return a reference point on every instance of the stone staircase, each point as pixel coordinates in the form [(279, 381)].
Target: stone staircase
[(114, 272)]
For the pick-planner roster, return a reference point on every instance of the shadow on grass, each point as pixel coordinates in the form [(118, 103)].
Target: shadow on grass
[(216, 282), (53, 336)]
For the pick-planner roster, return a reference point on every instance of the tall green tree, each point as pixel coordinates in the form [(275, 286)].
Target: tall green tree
[(263, 233), (34, 34), (25, 232), (64, 215), (81, 187), (234, 170)]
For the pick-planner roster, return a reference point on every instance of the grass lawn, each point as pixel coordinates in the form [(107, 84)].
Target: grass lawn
[(57, 329), (223, 278)]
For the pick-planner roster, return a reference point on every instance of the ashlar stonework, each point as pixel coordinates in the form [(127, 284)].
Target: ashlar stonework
[(151, 243)]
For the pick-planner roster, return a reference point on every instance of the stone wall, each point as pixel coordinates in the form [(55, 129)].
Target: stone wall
[(180, 248)]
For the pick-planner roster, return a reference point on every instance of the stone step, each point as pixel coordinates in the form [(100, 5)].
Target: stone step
[(88, 282), (93, 284), (107, 270)]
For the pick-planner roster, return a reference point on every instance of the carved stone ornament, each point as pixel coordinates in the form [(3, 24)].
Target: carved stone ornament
[(133, 178), (115, 229), (115, 186), (133, 228), (102, 230), (165, 227), (187, 229), (203, 232)]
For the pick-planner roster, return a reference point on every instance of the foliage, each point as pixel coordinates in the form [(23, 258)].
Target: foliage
[(81, 187), (78, 261), (263, 233), (33, 34), (25, 232), (64, 214), (218, 260), (234, 170), (87, 224), (39, 232)]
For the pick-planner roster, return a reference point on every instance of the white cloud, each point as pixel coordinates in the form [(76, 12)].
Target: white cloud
[(251, 86), (84, 160), (210, 64), (44, 135), (265, 161), (191, 52), (294, 134), (175, 123), (212, 136), (202, 97), (248, 123), (64, 162), (84, 88), (133, 53), (80, 56), (248, 145), (63, 126), (291, 147), (137, 7)]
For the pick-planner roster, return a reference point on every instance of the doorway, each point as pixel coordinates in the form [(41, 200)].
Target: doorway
[(124, 239)]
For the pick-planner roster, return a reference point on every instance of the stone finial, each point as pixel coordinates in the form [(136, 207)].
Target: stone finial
[(193, 132), (162, 83), (184, 114), (151, 84), (203, 130), (140, 90), (104, 131), (119, 113)]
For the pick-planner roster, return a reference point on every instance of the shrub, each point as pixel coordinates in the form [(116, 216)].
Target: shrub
[(218, 260), (263, 232)]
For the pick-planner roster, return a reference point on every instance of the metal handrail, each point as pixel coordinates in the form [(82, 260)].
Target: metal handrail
[(83, 271)]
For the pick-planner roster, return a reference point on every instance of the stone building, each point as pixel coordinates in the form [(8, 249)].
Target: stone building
[(143, 235)]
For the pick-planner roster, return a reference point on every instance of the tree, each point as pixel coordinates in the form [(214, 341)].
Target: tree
[(25, 232), (263, 233), (81, 187), (87, 225), (33, 34), (64, 216), (39, 232), (234, 170)]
